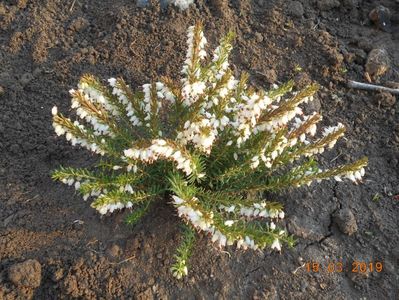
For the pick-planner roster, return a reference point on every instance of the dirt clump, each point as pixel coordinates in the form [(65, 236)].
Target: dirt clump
[(295, 9), (26, 274), (346, 221), (378, 63), (381, 16), (386, 99)]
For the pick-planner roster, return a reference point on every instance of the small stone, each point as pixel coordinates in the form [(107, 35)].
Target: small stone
[(378, 63), (328, 4), (381, 17), (346, 221), (2, 91), (259, 37), (26, 274), (295, 9), (386, 99)]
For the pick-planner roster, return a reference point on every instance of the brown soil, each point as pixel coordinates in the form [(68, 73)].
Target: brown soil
[(46, 45)]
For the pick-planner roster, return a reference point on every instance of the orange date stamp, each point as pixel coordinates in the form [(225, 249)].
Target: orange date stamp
[(341, 267)]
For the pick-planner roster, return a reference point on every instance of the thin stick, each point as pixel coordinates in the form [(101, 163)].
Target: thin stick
[(73, 4), (296, 270), (371, 87), (123, 261)]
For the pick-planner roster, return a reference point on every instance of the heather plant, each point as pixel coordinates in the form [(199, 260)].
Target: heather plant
[(210, 144)]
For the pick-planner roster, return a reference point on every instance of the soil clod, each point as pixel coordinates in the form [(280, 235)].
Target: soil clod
[(346, 221), (378, 63), (386, 99), (381, 17), (295, 9), (26, 274)]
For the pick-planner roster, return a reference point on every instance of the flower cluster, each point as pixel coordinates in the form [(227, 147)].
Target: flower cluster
[(161, 149), (191, 211), (211, 141)]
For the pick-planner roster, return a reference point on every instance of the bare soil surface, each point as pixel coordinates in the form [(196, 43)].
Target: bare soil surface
[(54, 246)]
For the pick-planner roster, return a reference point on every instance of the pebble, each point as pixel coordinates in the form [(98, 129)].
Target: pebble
[(381, 17), (2, 91), (378, 63), (295, 9), (259, 37), (26, 274), (346, 221)]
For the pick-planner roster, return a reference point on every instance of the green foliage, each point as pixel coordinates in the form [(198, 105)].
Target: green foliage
[(210, 142), (183, 252)]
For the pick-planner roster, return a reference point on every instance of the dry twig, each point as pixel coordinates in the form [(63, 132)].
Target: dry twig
[(371, 87)]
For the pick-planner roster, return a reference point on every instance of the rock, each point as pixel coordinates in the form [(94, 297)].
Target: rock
[(381, 17), (26, 274), (295, 9), (378, 63), (259, 37), (386, 99), (327, 4), (346, 221), (2, 91)]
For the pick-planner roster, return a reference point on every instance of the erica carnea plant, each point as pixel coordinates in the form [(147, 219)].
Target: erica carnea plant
[(213, 146)]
